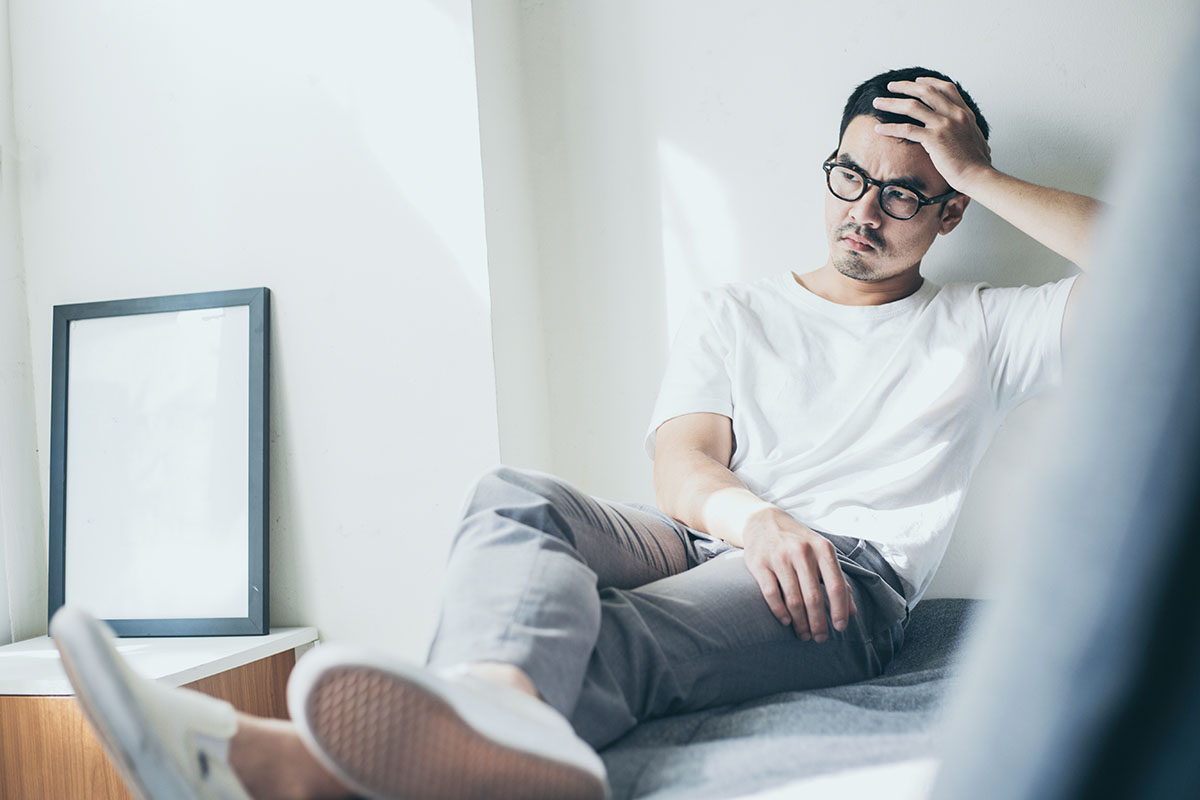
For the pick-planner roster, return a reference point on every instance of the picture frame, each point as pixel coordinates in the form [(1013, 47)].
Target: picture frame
[(159, 463)]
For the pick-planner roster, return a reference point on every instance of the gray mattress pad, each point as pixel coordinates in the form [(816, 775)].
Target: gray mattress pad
[(740, 749)]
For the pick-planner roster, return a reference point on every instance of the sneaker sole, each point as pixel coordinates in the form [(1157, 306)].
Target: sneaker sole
[(365, 720)]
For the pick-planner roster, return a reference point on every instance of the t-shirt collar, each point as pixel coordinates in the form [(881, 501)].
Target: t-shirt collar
[(815, 302)]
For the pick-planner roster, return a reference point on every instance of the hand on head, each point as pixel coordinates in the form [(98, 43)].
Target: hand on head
[(951, 137)]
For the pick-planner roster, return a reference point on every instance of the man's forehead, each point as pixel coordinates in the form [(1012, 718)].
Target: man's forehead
[(886, 158)]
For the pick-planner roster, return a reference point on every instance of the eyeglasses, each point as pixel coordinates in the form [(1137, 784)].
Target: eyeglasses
[(897, 200)]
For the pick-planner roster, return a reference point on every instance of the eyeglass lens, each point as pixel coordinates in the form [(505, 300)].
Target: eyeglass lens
[(895, 200)]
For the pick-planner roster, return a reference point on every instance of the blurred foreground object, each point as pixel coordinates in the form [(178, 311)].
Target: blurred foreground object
[(1083, 680)]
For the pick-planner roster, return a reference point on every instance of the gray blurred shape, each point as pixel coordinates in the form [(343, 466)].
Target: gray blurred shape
[(1083, 680)]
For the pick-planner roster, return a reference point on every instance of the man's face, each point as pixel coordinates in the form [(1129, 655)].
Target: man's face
[(865, 243)]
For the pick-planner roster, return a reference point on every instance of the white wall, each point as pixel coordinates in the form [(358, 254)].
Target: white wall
[(12, 307), (331, 153), (22, 551), (675, 144), (522, 389), (632, 151)]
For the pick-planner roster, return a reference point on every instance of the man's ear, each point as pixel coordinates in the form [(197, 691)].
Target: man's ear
[(952, 214)]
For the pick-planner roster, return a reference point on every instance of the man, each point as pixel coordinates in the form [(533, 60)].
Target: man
[(812, 443)]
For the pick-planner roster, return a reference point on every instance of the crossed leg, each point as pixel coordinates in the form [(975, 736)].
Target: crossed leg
[(602, 610)]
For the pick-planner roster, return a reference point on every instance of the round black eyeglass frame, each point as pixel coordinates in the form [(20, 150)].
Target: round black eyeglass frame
[(868, 182)]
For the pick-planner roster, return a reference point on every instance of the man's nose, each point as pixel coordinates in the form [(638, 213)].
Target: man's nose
[(865, 210)]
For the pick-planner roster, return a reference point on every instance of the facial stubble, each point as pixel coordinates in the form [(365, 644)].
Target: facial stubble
[(851, 263)]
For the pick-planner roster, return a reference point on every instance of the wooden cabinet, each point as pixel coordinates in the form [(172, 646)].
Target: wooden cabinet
[(47, 749)]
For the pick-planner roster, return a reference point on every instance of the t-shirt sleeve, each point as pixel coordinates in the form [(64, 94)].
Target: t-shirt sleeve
[(1024, 338), (697, 374)]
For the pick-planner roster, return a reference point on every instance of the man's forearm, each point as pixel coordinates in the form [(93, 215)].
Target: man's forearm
[(705, 495), (949, 133), (1059, 220), (796, 568)]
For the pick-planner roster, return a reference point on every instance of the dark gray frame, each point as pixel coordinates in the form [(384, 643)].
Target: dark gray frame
[(259, 302)]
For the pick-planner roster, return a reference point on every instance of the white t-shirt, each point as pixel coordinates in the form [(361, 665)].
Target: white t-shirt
[(865, 421)]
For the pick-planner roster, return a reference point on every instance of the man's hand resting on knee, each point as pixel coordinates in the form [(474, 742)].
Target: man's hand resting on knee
[(790, 563), (794, 566)]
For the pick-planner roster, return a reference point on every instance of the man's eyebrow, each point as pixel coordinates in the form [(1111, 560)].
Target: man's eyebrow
[(907, 180)]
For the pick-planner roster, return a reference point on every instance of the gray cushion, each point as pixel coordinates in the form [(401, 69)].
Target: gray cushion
[(756, 745)]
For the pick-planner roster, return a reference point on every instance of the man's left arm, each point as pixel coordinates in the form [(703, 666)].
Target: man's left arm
[(1060, 220)]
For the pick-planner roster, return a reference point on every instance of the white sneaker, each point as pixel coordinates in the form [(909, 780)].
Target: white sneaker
[(392, 730), (165, 742)]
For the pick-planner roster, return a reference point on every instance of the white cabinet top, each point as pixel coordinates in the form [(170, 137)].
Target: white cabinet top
[(32, 667)]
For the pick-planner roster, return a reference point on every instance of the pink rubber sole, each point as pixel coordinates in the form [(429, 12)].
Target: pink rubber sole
[(401, 741)]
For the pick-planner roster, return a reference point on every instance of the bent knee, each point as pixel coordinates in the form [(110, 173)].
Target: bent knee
[(503, 481), (534, 500)]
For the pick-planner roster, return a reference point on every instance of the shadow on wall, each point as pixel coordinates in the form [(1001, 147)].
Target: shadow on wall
[(381, 385), (333, 158), (985, 247), (592, 136)]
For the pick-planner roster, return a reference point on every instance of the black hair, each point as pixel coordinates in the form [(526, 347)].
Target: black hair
[(860, 102)]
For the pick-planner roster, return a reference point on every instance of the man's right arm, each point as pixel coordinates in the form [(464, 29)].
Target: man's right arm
[(790, 562)]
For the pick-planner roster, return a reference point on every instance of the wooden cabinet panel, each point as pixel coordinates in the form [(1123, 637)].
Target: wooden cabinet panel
[(48, 750)]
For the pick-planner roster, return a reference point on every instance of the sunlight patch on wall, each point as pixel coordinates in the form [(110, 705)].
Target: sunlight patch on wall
[(411, 140), (701, 247)]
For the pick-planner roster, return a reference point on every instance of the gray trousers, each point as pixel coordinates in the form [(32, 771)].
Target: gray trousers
[(620, 614)]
